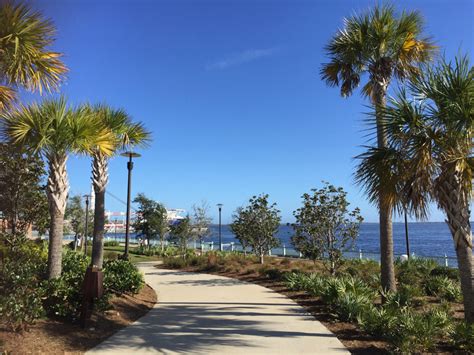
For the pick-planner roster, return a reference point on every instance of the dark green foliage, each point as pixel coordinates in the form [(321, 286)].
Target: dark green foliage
[(364, 269), (22, 193), (64, 293), (414, 270), (111, 243), (152, 220), (324, 226), (181, 234), (21, 271), (256, 225), (155, 250), (449, 272), (407, 330), (121, 276), (443, 288), (462, 337)]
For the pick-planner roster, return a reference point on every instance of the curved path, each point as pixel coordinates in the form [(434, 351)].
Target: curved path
[(208, 314)]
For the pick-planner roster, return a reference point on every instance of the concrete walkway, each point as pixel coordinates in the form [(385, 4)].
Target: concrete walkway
[(208, 314)]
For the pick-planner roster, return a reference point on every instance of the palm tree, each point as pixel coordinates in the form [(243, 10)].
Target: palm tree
[(435, 138), (384, 46), (125, 133), (55, 130), (25, 59)]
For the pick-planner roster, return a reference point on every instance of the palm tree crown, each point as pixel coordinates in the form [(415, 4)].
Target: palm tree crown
[(25, 59), (377, 43)]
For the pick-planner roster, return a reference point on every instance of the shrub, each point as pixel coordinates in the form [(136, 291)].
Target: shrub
[(377, 321), (418, 332), (414, 270), (296, 281), (111, 243), (121, 276), (24, 266), (443, 288), (174, 263), (338, 286), (448, 272), (350, 305), (462, 336), (363, 269), (64, 298), (108, 254), (407, 330)]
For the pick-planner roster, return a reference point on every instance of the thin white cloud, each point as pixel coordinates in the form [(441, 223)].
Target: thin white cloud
[(242, 58)]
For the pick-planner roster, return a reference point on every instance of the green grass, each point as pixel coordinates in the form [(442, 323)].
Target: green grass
[(120, 250)]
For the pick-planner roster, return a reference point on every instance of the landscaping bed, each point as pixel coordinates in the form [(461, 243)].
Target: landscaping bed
[(61, 336), (274, 275)]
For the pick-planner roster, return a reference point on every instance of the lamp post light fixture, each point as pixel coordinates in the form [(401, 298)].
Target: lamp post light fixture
[(219, 205), (128, 155), (86, 223)]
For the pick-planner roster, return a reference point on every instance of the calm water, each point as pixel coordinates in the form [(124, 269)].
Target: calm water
[(426, 239)]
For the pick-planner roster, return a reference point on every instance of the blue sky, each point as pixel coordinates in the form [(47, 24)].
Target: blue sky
[(231, 92)]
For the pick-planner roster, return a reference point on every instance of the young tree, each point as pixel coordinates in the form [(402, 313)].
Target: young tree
[(23, 199), (257, 224), (55, 130), (75, 214), (325, 226), (385, 47), (201, 222), (152, 219), (25, 59), (181, 233), (240, 228)]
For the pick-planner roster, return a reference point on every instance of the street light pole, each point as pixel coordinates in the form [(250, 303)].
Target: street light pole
[(86, 224), (129, 155), (219, 205)]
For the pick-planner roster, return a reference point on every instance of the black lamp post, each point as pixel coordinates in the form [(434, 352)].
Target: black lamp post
[(129, 155), (219, 205), (86, 223)]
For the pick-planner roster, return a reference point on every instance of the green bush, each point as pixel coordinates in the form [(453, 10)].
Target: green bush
[(349, 305), (121, 276), (462, 336), (407, 330), (414, 271), (64, 298), (363, 269), (174, 262), (296, 281), (450, 273), (23, 268), (336, 287), (443, 288), (111, 243)]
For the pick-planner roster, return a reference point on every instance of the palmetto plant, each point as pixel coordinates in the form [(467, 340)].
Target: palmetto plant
[(385, 47), (434, 138), (124, 133), (55, 130), (25, 59)]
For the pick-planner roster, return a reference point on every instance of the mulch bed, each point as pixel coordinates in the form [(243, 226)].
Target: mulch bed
[(51, 336)]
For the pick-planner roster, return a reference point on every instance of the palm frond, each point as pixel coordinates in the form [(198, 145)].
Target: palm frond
[(25, 59)]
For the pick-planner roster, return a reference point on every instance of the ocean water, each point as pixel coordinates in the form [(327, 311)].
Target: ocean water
[(428, 239)]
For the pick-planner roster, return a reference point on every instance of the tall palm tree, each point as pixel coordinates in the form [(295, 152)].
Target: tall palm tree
[(435, 139), (25, 59), (125, 134), (55, 130), (384, 46)]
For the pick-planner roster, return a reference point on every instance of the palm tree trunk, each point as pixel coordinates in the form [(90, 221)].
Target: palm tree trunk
[(57, 191), (100, 178), (455, 203), (387, 266)]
